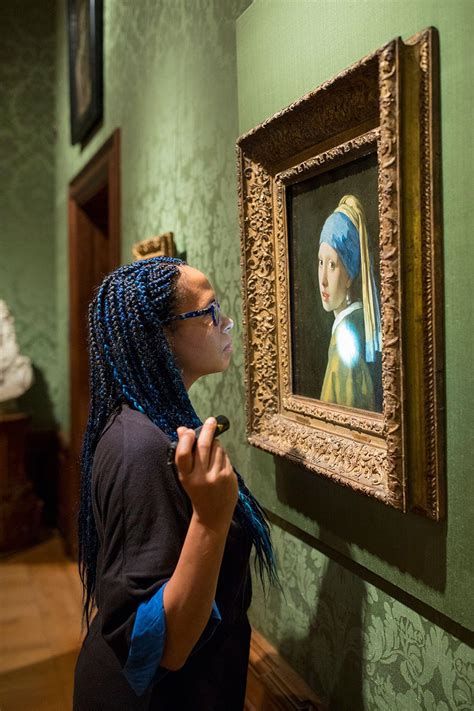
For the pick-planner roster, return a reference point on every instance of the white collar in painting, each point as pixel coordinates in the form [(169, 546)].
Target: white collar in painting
[(345, 312)]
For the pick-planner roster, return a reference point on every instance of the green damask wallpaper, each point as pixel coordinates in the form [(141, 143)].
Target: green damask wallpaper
[(181, 90), (344, 619), (171, 87), (356, 646), (27, 134)]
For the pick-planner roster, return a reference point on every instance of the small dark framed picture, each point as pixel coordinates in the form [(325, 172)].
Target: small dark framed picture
[(85, 27)]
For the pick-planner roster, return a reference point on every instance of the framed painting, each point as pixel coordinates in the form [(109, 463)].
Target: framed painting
[(85, 30), (342, 278)]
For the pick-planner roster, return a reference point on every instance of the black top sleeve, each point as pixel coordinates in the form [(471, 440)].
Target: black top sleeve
[(142, 515)]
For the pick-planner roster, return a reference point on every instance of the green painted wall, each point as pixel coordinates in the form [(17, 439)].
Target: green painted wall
[(364, 585), (171, 87), (27, 260)]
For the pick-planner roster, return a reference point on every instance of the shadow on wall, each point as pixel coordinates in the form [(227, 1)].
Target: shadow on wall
[(330, 657), (413, 544), (37, 403)]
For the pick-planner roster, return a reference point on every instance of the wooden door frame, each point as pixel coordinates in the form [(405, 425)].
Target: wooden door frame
[(103, 170)]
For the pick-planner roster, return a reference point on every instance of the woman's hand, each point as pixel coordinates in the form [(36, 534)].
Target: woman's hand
[(210, 482), (207, 476)]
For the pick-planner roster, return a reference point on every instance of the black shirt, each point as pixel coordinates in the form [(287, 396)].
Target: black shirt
[(142, 515)]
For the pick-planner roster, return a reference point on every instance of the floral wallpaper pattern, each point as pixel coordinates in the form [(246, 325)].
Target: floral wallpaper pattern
[(356, 646), (27, 134), (171, 86)]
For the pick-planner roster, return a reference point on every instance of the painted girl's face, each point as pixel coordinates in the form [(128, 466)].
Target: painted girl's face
[(334, 280)]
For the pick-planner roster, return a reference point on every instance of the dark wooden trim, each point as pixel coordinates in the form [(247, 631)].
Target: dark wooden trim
[(20, 509), (42, 470), (273, 685), (100, 177)]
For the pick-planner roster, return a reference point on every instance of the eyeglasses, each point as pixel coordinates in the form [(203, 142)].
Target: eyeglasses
[(214, 309)]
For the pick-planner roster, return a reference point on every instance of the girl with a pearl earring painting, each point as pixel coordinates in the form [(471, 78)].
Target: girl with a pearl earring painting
[(347, 288)]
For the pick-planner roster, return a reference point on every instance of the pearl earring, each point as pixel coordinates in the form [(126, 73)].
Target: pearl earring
[(348, 299)]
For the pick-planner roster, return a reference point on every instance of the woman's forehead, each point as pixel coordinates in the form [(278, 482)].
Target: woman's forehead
[(196, 290)]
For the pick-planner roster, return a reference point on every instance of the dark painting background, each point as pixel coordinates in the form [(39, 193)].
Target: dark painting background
[(309, 203)]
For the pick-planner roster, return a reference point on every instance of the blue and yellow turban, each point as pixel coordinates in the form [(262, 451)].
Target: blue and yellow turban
[(346, 232)]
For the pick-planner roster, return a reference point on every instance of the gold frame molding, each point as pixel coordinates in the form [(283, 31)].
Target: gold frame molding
[(388, 104), (160, 246)]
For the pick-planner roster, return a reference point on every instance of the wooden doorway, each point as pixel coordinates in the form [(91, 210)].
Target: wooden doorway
[(94, 250)]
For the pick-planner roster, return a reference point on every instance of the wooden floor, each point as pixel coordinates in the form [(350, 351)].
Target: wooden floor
[(40, 636), (40, 629)]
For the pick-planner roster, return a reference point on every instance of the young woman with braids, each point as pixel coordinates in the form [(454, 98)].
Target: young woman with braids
[(163, 554)]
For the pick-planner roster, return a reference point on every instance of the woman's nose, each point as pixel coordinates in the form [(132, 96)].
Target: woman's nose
[(228, 324), (324, 277)]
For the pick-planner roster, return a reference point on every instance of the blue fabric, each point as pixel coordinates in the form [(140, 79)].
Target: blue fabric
[(340, 233), (376, 343), (148, 641)]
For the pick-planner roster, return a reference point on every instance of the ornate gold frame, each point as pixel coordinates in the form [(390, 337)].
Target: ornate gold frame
[(388, 103), (160, 246)]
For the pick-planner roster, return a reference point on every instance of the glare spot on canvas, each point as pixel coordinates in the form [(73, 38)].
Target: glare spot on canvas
[(348, 344)]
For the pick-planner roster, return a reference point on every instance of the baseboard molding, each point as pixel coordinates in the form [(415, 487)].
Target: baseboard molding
[(272, 684)]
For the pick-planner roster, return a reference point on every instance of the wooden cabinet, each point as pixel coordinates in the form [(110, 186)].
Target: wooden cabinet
[(20, 510)]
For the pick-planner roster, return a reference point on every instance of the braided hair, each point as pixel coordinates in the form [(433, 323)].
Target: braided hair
[(130, 361)]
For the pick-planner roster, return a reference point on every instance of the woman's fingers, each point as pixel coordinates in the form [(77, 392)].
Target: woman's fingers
[(217, 458), (208, 455), (204, 443), (227, 464), (184, 457), (206, 475)]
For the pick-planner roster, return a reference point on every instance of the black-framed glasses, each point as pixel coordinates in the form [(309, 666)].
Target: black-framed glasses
[(214, 309)]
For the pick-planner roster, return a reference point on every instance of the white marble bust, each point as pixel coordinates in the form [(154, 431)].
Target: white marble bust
[(16, 373)]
